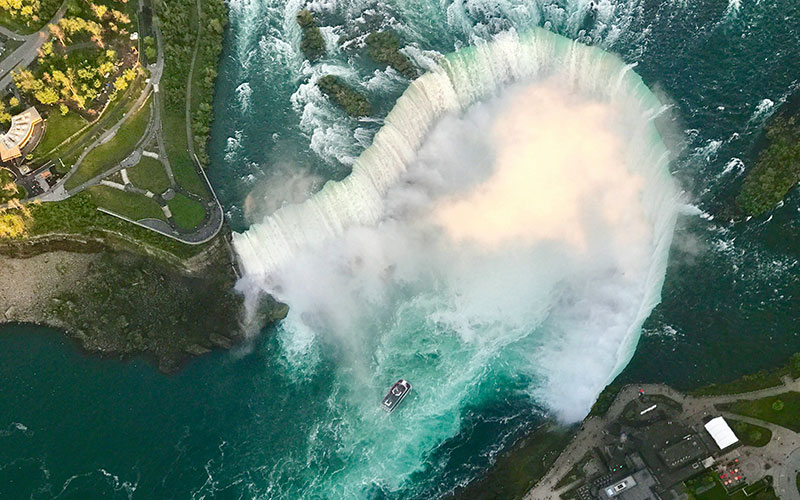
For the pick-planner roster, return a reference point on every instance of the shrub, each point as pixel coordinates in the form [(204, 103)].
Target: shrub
[(348, 99), (777, 169), (384, 47), (312, 43)]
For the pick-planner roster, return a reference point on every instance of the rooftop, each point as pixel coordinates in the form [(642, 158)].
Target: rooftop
[(18, 135), (721, 432)]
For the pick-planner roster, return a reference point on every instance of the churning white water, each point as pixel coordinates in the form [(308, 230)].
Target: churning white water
[(511, 220)]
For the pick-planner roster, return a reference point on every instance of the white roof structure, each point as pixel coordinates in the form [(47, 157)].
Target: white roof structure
[(721, 432), (21, 131)]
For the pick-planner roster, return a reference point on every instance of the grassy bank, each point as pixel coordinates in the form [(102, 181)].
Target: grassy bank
[(132, 205), (776, 171), (149, 174), (516, 471), (763, 379), (749, 434), (186, 212), (605, 399), (108, 155), (79, 215), (59, 128), (179, 24), (183, 167), (783, 409), (83, 136)]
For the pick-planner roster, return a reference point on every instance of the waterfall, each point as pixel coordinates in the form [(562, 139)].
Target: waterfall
[(463, 78), (384, 278)]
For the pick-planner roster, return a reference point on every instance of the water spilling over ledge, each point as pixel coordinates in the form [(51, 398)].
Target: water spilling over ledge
[(506, 232)]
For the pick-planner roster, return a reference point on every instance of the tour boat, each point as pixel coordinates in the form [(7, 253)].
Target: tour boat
[(395, 395)]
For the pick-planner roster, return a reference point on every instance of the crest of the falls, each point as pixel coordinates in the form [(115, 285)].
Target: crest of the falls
[(385, 280), (463, 78)]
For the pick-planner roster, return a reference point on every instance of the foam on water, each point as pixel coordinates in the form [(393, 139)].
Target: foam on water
[(384, 281)]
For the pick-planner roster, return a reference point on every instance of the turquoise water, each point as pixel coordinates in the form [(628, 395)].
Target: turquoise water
[(249, 425)]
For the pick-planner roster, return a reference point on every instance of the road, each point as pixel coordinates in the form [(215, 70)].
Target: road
[(786, 486), (214, 219), (758, 460), (28, 51)]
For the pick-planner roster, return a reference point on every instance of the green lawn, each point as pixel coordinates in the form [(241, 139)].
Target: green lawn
[(749, 434), (111, 115), (79, 215), (114, 151), (11, 45), (186, 212), (177, 150), (59, 128), (8, 189), (706, 487), (783, 410), (746, 383), (149, 174), (131, 205)]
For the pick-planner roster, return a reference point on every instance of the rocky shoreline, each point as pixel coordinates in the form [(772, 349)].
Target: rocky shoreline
[(116, 303)]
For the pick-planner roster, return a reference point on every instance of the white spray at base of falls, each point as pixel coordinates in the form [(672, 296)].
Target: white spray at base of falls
[(385, 281)]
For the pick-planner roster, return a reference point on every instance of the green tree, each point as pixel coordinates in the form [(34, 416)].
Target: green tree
[(46, 96), (312, 43)]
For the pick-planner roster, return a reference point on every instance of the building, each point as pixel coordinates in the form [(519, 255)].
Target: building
[(638, 486), (721, 433), (616, 489), (22, 128), (686, 451)]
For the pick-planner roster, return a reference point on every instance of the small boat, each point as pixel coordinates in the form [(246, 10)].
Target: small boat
[(395, 395)]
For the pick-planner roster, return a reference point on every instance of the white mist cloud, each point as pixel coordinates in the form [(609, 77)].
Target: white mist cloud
[(515, 251), (520, 223)]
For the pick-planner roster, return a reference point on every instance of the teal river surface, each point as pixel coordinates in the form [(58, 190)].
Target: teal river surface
[(233, 425)]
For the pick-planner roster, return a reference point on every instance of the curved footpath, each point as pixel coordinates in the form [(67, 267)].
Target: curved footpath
[(213, 221), (785, 442)]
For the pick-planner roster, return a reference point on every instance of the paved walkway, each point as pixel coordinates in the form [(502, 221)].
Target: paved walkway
[(12, 35), (785, 483), (590, 434), (214, 218)]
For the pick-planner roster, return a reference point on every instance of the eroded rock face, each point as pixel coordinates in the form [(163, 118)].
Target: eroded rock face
[(127, 304), (121, 304)]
